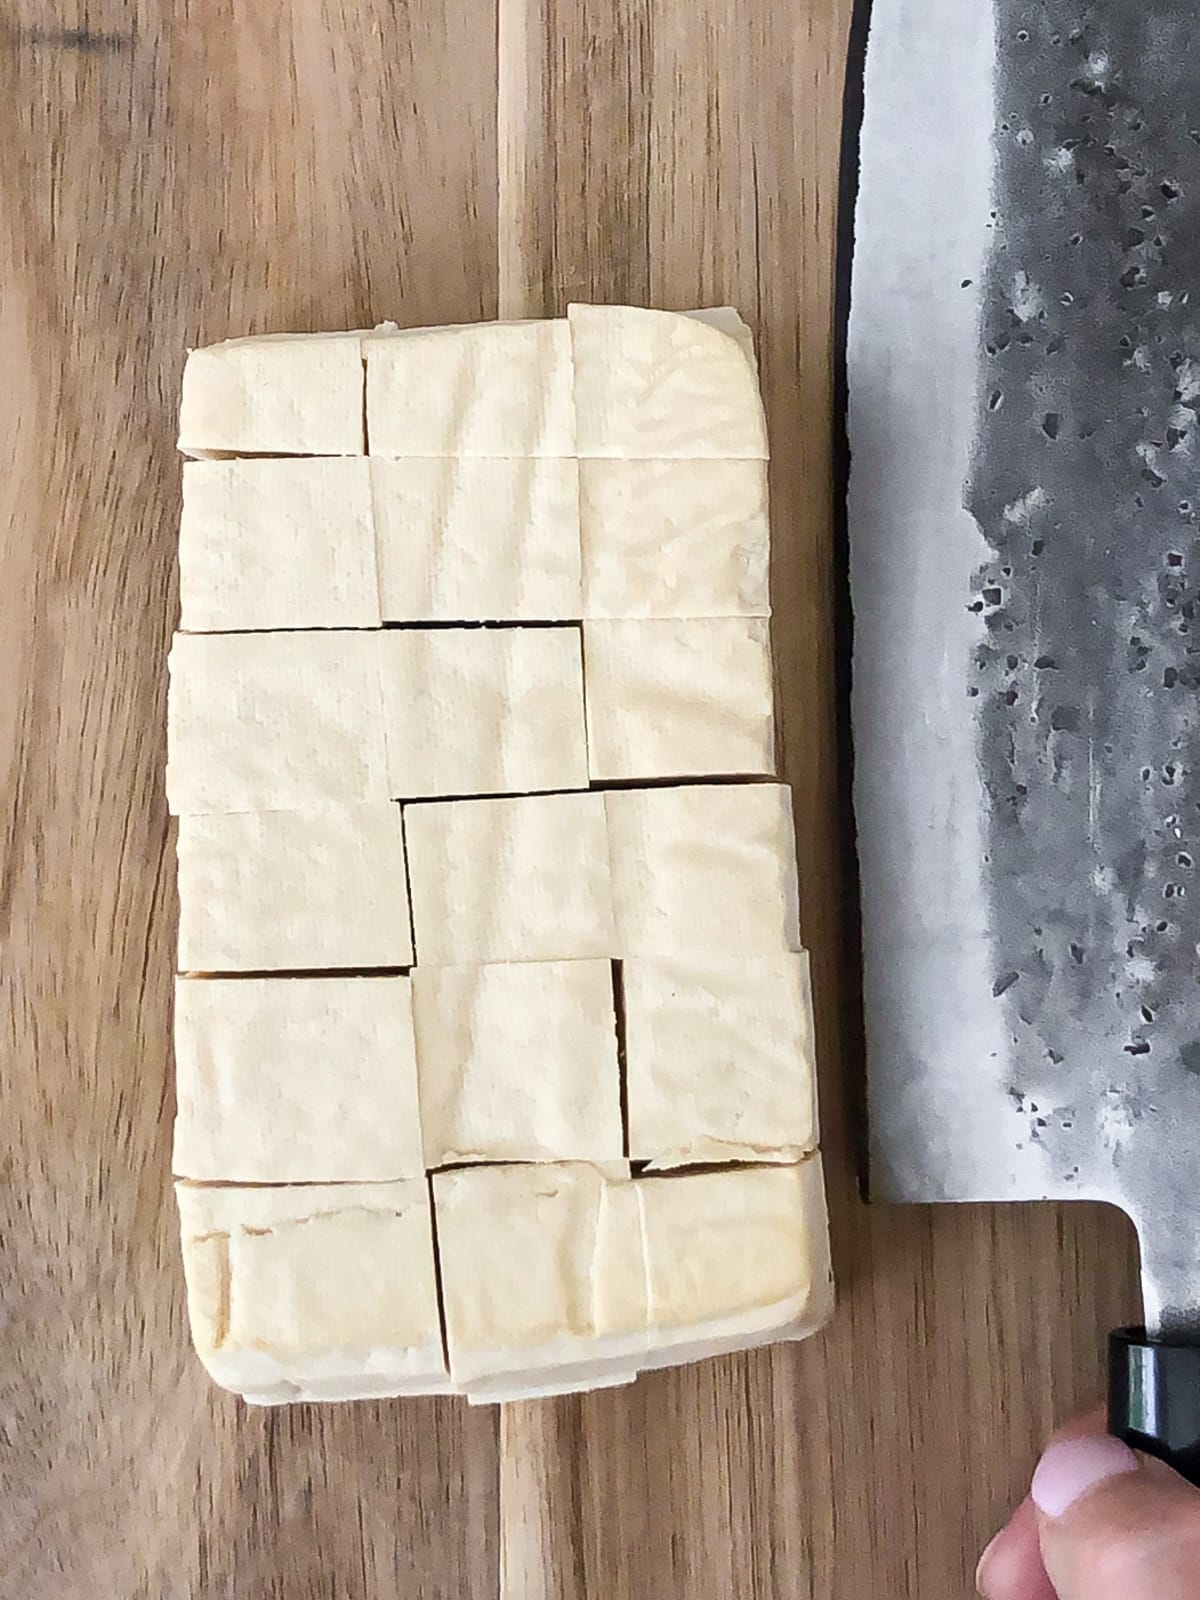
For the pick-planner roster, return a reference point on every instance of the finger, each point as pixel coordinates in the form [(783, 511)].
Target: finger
[(1011, 1567), (1089, 1424), (1114, 1525)]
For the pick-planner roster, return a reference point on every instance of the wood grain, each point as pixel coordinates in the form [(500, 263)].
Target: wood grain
[(175, 172)]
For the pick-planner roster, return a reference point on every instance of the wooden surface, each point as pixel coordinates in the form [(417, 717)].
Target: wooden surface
[(177, 172)]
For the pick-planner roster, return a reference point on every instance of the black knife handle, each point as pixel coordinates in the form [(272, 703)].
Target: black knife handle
[(1154, 1398)]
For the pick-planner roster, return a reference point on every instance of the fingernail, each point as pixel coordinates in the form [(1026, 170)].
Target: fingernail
[(1073, 1467), (981, 1569)]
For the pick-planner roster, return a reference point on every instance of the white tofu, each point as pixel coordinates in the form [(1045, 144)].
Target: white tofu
[(656, 384), (674, 538), (477, 540), (518, 879), (674, 698), (277, 544), (483, 389), (271, 891), (545, 1386), (296, 1080), (727, 320), (518, 1247), (518, 1062), (703, 870), (734, 1259), (283, 721), (483, 710), (314, 1292), (279, 394), (620, 1281), (719, 1059)]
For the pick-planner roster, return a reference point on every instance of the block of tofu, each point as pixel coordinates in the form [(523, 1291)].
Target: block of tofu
[(523, 878), (483, 389), (472, 711), (719, 1059), (295, 1080), (674, 538), (679, 698), (296, 394), (527, 1297), (518, 1062), (314, 1293), (703, 869), (477, 539), (277, 544), (274, 722), (650, 385), (734, 1259), (277, 891)]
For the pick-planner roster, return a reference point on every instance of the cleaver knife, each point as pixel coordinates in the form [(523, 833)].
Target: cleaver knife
[(1023, 414)]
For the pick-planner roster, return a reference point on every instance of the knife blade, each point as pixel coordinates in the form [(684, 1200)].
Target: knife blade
[(1023, 368)]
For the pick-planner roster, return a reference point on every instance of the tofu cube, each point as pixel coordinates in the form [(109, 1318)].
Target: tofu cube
[(520, 1270), (484, 389), (523, 878), (734, 1259), (619, 1313), (703, 869), (679, 699), (274, 722), (719, 1059), (518, 1062), (652, 385), (277, 544), (674, 538), (474, 539), (483, 710), (280, 394), (296, 1080), (272, 891), (314, 1293)]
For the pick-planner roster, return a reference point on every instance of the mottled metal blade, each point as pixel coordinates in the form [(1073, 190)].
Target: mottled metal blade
[(1024, 387)]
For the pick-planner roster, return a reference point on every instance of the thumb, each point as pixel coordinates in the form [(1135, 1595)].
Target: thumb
[(1115, 1525)]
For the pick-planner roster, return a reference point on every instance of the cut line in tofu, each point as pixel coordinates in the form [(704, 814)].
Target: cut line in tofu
[(274, 394), (682, 538), (477, 539), (482, 389), (274, 722), (679, 698), (296, 1080), (702, 869), (476, 711), (522, 878), (263, 891), (518, 1062), (719, 1059), (314, 1292), (275, 544), (660, 384)]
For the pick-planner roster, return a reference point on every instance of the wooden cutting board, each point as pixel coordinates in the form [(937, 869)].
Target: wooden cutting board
[(176, 173)]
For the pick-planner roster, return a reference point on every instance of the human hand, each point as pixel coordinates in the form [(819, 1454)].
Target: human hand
[(1101, 1522)]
